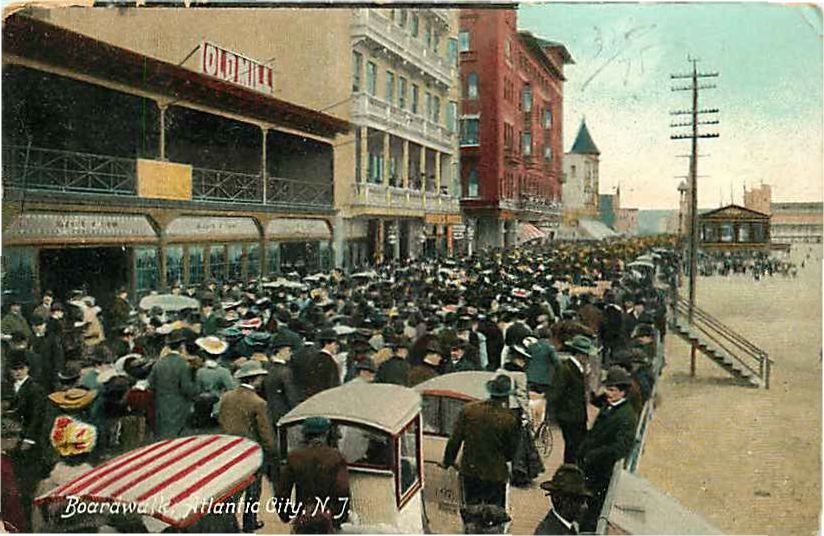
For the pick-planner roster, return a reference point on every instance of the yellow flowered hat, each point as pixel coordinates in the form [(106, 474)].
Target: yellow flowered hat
[(71, 437)]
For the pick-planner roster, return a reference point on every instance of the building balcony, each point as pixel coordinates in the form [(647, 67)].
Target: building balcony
[(33, 169), (406, 199), (379, 114), (371, 25)]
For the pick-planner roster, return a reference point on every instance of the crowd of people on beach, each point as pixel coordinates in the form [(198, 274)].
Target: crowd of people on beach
[(558, 322)]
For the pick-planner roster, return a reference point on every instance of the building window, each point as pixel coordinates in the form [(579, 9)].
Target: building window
[(145, 260), (375, 170), (508, 136), (472, 86), (427, 36), (217, 262), (174, 265), (472, 183), (234, 262), (402, 18), (415, 98), (436, 110), (253, 260), (451, 115), (371, 78), (527, 98), (470, 131), (547, 153), (547, 117), (413, 26), (357, 67), (526, 144), (390, 87), (508, 50), (452, 51), (402, 92), (463, 40), (273, 258), (197, 260), (428, 104)]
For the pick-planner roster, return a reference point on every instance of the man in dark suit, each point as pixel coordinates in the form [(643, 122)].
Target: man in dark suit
[(396, 368), (320, 478), (321, 370), (49, 352), (121, 312), (610, 439), (612, 333), (28, 407), (173, 381), (489, 434), (567, 394), (569, 496)]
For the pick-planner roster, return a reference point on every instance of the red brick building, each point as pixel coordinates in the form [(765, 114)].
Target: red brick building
[(511, 126)]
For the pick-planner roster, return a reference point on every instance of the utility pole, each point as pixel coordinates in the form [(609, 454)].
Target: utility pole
[(693, 136)]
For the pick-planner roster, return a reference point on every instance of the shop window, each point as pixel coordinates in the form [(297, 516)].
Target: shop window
[(253, 260), (325, 256), (145, 267), (472, 86), (409, 466), (174, 265), (235, 261), (18, 272), (301, 257), (273, 258), (217, 262), (357, 68), (726, 232), (197, 261)]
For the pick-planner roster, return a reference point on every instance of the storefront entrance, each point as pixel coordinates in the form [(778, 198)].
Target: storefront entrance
[(99, 270)]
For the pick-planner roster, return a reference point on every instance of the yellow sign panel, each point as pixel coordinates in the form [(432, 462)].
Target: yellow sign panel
[(432, 219), (164, 180)]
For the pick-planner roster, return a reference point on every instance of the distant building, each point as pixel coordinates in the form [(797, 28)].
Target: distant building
[(580, 190), (734, 227), (759, 199), (794, 223), (626, 221)]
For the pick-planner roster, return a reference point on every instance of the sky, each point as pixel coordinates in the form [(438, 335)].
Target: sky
[(769, 92)]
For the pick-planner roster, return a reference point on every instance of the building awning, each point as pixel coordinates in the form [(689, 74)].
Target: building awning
[(78, 228), (527, 232), (298, 230), (639, 507), (53, 45), (209, 229), (595, 229)]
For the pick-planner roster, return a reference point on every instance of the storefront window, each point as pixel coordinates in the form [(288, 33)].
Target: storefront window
[(235, 261), (217, 262), (174, 265), (253, 260), (726, 232), (18, 273), (325, 256), (301, 257), (197, 260), (145, 262), (273, 258)]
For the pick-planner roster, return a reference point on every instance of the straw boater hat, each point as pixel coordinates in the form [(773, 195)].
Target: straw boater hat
[(74, 398), (212, 345)]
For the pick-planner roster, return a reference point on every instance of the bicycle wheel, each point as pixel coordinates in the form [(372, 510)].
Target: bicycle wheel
[(543, 439)]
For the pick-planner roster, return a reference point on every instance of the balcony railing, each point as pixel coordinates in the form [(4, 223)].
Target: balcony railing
[(380, 195), (384, 32), (34, 168), (407, 124)]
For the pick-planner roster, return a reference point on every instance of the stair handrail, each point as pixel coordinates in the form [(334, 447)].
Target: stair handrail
[(708, 325), (725, 329)]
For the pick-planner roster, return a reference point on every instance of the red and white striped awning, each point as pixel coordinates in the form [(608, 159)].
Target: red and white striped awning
[(527, 232), (173, 480)]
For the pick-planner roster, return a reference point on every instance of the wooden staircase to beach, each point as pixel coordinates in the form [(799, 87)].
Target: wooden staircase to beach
[(748, 364)]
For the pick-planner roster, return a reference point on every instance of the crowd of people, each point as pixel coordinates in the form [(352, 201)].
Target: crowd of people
[(563, 319), (756, 264)]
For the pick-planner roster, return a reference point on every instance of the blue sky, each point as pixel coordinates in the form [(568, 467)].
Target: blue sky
[(769, 91)]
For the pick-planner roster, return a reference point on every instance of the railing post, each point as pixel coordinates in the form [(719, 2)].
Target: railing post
[(263, 172), (162, 108)]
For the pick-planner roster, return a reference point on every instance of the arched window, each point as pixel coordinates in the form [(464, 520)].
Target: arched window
[(472, 86)]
